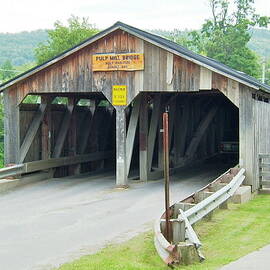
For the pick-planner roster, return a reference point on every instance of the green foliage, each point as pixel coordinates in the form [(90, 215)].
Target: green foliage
[(267, 72), (226, 35), (7, 71), (64, 37)]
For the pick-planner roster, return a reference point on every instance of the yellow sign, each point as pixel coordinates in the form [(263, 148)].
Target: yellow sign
[(119, 95), (119, 61)]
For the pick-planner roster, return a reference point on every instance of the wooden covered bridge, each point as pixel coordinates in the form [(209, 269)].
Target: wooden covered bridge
[(99, 107)]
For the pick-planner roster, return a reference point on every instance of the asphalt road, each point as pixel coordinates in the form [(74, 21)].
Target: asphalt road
[(45, 224)]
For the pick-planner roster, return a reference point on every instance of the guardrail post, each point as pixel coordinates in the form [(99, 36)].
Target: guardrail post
[(179, 228), (178, 231), (215, 187), (200, 196)]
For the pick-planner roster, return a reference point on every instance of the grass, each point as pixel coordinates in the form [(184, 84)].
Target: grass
[(230, 235)]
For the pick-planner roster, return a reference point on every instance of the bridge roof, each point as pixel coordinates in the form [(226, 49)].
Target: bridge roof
[(159, 41)]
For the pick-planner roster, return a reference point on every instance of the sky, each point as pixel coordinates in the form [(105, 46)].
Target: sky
[(27, 15)]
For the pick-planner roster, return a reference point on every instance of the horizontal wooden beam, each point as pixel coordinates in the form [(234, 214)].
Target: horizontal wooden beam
[(40, 165), (65, 161)]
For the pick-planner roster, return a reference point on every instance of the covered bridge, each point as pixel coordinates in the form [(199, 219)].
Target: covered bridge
[(113, 89)]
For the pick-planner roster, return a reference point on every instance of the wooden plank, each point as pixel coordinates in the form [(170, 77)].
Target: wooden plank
[(30, 135), (121, 167), (46, 129), (266, 183), (265, 174), (264, 156), (64, 161), (172, 110), (265, 166), (11, 127), (86, 128), (72, 136), (143, 135), (169, 71), (200, 132), (63, 131), (205, 79), (153, 128), (132, 127), (180, 130)]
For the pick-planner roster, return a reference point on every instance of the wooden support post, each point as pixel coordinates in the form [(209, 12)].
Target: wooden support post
[(72, 136), (46, 128), (180, 130), (200, 132), (143, 138), (172, 110), (121, 167), (132, 130), (63, 130), (32, 130), (153, 129), (11, 127), (86, 128), (160, 144)]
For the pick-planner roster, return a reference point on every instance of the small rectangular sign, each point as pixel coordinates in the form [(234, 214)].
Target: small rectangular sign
[(118, 61), (119, 95)]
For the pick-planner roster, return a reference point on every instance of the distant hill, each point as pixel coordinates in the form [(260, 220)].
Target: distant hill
[(19, 47), (260, 42)]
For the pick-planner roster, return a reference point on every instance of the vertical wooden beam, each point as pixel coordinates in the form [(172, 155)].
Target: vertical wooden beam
[(72, 136), (121, 167), (86, 127), (63, 130), (11, 127), (181, 130), (153, 129), (31, 132), (143, 135), (160, 142), (132, 130), (46, 128), (172, 110)]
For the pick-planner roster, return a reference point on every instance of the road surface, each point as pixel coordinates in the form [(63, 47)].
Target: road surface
[(45, 224)]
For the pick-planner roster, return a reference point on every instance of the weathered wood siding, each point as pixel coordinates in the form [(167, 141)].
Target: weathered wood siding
[(163, 71), (261, 112), (254, 127), (246, 134)]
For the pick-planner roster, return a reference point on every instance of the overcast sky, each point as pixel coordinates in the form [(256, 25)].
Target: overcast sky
[(20, 15)]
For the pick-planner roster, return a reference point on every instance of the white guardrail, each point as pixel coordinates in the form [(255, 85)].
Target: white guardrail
[(186, 213)]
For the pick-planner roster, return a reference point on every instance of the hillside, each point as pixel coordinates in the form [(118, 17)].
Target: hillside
[(19, 47)]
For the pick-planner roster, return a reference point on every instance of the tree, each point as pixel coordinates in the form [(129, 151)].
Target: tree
[(6, 71), (224, 37), (64, 37)]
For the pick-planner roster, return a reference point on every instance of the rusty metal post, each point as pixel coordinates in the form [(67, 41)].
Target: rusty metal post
[(166, 173)]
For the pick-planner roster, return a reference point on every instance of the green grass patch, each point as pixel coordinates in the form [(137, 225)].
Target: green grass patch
[(230, 235)]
